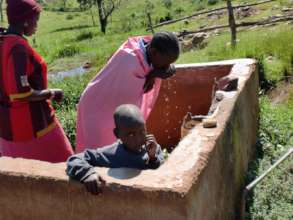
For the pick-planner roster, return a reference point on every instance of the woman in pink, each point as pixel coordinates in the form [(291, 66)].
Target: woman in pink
[(131, 76), (28, 126)]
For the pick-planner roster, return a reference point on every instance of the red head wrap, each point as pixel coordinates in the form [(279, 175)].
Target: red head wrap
[(21, 10)]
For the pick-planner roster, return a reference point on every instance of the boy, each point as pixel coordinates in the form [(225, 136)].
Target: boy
[(134, 149)]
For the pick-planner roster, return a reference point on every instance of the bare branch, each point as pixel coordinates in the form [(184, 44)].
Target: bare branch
[(110, 10), (242, 24)]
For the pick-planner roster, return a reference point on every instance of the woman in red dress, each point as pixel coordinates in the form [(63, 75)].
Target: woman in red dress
[(28, 125)]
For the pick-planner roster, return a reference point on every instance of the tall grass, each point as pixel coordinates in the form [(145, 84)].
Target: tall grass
[(272, 199)]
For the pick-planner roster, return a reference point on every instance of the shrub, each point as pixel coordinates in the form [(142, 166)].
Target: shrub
[(84, 35), (212, 2), (68, 120), (69, 17), (66, 110), (61, 9), (67, 51), (126, 25), (168, 17), (179, 10), (167, 3)]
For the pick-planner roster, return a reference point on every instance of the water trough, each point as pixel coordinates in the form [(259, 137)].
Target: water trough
[(202, 179)]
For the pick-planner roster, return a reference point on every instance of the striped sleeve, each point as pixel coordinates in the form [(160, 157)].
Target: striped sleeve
[(18, 68)]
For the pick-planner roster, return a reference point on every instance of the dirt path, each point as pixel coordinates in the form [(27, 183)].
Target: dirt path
[(281, 93)]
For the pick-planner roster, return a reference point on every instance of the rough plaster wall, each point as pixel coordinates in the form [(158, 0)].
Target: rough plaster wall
[(218, 192), (190, 90), (49, 199)]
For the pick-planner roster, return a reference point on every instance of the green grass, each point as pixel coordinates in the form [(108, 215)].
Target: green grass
[(272, 199), (68, 39), (273, 47)]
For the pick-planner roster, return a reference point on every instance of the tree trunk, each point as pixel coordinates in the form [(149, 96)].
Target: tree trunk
[(1, 11), (103, 23), (102, 16), (232, 23), (150, 22), (64, 4), (93, 19)]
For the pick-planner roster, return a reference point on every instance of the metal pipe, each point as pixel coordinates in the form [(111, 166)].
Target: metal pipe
[(250, 186), (256, 181)]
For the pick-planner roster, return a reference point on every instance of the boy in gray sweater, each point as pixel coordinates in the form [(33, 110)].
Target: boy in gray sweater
[(134, 149)]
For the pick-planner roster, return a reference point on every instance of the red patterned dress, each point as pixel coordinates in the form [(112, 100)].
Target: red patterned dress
[(27, 129)]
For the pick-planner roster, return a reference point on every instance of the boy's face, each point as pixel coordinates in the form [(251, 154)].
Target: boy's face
[(132, 136)]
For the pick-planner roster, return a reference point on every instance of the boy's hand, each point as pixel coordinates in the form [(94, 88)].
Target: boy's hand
[(151, 146), (94, 183)]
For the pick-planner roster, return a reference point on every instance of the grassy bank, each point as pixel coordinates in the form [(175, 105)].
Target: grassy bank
[(272, 199)]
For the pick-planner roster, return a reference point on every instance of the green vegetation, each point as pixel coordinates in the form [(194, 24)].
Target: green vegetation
[(272, 199), (67, 38), (272, 47)]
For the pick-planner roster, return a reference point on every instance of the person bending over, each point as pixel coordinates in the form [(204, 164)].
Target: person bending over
[(132, 75)]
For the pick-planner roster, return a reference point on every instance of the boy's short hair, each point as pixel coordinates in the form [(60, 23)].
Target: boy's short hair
[(128, 114)]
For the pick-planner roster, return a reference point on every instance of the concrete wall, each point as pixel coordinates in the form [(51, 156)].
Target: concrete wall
[(202, 179), (222, 179), (189, 91)]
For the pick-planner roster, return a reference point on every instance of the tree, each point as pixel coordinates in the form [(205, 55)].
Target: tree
[(106, 8), (1, 11), (85, 4), (148, 9), (64, 3), (232, 23)]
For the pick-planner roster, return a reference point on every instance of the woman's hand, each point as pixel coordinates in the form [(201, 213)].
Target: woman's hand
[(40, 95), (162, 73), (94, 184), (57, 94), (149, 83)]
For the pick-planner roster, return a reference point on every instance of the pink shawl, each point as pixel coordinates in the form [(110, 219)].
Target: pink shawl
[(119, 82)]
